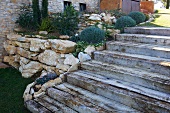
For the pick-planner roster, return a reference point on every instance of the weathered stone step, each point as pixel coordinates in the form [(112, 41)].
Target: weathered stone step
[(123, 95), (82, 105), (125, 85), (136, 76), (142, 38), (35, 107), (138, 48), (53, 105), (152, 64), (109, 105), (148, 30)]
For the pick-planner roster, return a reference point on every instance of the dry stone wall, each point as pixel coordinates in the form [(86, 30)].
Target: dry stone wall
[(31, 54)]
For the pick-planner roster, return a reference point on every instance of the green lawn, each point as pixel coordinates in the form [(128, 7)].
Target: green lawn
[(12, 86), (162, 19)]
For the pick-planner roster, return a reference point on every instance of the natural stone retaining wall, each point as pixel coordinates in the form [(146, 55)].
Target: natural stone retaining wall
[(31, 55)]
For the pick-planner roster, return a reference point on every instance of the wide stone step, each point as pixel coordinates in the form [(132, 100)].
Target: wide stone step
[(148, 30), (142, 38), (82, 105), (35, 107), (152, 64), (53, 105), (107, 104), (136, 76), (138, 48), (121, 94)]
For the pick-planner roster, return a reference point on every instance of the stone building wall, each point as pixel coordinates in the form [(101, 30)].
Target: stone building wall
[(58, 5)]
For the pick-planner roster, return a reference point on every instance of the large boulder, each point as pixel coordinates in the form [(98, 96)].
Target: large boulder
[(62, 46), (49, 57)]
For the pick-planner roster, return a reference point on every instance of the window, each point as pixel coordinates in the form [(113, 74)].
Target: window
[(82, 7), (66, 3)]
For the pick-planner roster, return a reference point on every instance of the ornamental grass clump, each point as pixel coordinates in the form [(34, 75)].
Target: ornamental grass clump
[(137, 16), (92, 35), (124, 21)]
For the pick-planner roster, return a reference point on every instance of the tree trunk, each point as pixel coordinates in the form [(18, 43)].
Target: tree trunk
[(167, 4)]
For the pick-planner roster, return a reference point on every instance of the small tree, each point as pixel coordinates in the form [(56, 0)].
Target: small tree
[(36, 12), (44, 10)]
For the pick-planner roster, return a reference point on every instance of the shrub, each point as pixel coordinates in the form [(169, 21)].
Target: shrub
[(46, 25), (92, 35), (74, 38), (25, 19), (67, 22), (46, 78), (147, 17), (137, 16), (80, 47), (117, 13), (44, 10), (124, 21)]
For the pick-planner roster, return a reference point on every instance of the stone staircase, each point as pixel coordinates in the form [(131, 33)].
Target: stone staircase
[(131, 76)]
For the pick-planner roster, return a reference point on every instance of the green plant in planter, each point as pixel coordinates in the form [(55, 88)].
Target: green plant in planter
[(92, 35), (124, 21), (67, 22), (137, 16)]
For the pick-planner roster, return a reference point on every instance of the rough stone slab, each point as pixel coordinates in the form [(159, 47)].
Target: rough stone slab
[(124, 96), (34, 107), (98, 100), (126, 85), (61, 107), (148, 30), (142, 38), (141, 49), (152, 64), (74, 102), (147, 79)]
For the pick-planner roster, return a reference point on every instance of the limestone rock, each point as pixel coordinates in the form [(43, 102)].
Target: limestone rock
[(113, 31), (11, 61), (107, 19), (30, 69), (49, 68), (100, 48), (27, 95), (73, 68), (22, 45), (71, 60), (51, 83), (49, 57), (37, 45), (13, 37), (63, 67), (64, 37), (19, 29), (95, 17), (26, 54), (83, 57), (89, 50), (62, 46), (43, 32), (10, 49)]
